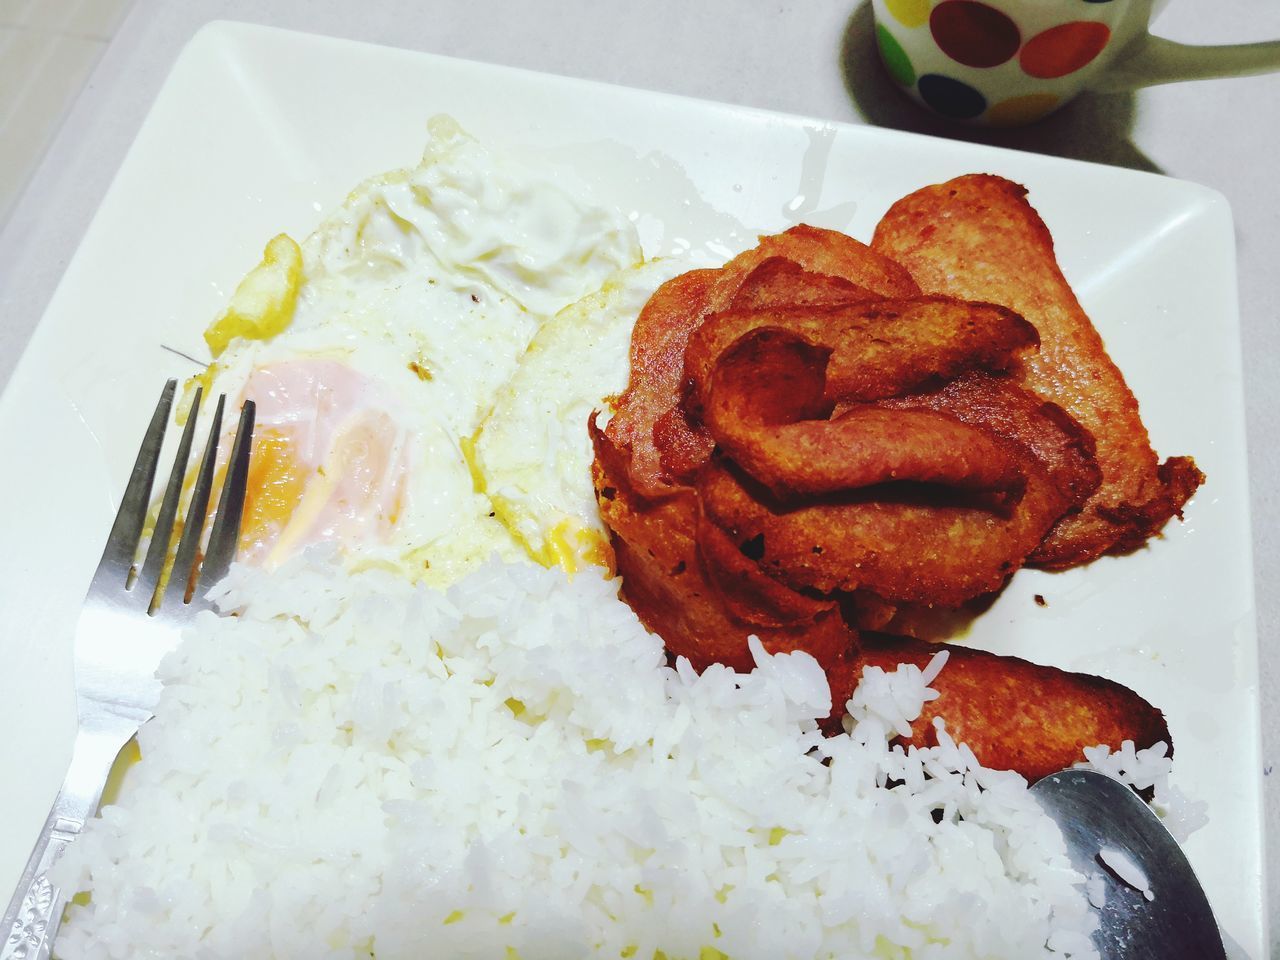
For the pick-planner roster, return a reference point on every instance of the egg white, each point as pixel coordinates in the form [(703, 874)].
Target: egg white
[(532, 453)]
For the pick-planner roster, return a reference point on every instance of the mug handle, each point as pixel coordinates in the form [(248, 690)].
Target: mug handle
[(1149, 60)]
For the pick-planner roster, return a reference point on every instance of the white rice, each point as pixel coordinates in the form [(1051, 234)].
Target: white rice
[(1147, 771), (357, 767), (1095, 888), (1128, 872)]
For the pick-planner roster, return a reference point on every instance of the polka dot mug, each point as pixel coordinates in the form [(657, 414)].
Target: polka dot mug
[(1008, 62)]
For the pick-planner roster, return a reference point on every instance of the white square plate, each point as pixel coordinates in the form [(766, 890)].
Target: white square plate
[(258, 131)]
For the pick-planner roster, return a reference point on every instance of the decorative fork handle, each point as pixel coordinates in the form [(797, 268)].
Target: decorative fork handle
[(35, 912)]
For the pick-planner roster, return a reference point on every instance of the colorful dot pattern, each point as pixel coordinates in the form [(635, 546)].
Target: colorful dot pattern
[(909, 13), (978, 35), (973, 33), (1063, 49), (895, 58)]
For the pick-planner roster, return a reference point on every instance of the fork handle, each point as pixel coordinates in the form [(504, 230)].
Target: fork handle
[(35, 912)]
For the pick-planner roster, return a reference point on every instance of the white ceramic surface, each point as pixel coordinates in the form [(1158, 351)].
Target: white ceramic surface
[(258, 131)]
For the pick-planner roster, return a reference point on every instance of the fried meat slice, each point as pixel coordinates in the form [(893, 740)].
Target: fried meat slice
[(777, 281), (764, 412), (976, 237), (826, 252), (1018, 715), (750, 597), (1009, 410), (902, 542), (661, 445), (657, 371), (877, 349), (912, 542), (704, 616), (811, 458)]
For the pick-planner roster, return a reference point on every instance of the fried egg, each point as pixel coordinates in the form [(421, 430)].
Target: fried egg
[(375, 349), (532, 455)]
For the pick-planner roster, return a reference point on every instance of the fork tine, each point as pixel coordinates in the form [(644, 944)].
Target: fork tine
[(225, 535), (122, 543), (193, 526), (162, 536)]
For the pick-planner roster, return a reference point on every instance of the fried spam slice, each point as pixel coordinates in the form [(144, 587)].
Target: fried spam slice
[(810, 458), (1008, 409), (902, 542), (777, 281), (1018, 715), (707, 620), (915, 542), (820, 251), (657, 370), (648, 421), (748, 596), (976, 237), (878, 349), (767, 392)]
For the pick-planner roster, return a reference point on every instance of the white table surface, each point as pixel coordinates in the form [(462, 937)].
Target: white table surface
[(813, 57)]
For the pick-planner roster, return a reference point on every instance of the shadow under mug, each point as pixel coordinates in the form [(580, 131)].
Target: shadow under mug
[(1008, 62)]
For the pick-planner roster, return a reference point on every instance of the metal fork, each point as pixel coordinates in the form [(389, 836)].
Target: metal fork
[(130, 620)]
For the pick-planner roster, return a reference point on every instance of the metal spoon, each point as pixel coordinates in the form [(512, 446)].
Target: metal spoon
[(1097, 814)]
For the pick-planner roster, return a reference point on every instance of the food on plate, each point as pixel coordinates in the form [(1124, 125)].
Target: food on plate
[(977, 237), (870, 350), (695, 588), (666, 555), (425, 724), (356, 767), (649, 420), (920, 529), (844, 454), (376, 348), (531, 455), (1019, 715), (264, 302)]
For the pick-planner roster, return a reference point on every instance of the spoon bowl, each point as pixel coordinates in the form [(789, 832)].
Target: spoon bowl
[(1150, 904)]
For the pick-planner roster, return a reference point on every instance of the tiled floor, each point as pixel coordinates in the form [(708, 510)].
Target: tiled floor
[(47, 49)]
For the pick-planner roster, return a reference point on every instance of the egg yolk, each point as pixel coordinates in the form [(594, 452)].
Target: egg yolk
[(329, 460), (275, 487)]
